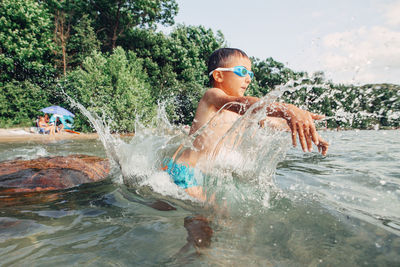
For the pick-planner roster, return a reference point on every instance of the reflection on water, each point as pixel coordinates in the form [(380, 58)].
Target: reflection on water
[(339, 210)]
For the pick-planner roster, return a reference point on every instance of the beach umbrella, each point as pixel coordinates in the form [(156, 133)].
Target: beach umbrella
[(57, 110)]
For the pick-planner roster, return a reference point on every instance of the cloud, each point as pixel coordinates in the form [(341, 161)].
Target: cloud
[(364, 55), (392, 14), (317, 14)]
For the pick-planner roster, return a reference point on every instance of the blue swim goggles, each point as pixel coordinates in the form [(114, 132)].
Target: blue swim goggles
[(238, 70)]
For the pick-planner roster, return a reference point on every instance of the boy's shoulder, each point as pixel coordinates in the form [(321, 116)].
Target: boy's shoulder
[(212, 89), (214, 92)]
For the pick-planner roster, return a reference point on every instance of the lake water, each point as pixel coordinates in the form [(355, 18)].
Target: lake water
[(338, 210)]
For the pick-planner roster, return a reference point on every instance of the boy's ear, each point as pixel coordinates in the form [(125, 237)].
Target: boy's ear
[(218, 76)]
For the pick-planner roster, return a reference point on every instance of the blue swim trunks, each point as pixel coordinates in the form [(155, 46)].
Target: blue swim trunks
[(182, 174)]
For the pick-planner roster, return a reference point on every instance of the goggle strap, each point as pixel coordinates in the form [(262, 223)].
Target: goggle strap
[(221, 69)]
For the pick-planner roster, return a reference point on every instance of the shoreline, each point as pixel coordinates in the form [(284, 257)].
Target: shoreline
[(25, 135)]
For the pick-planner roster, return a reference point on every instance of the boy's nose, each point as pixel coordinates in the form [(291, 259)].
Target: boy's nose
[(247, 78)]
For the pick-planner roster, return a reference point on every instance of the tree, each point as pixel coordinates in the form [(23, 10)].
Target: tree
[(25, 41), (113, 18), (176, 64), (73, 35), (82, 42), (192, 46)]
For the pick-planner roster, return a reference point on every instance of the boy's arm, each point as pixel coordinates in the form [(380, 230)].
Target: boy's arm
[(301, 122)]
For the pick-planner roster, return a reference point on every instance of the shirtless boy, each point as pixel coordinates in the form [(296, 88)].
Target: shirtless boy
[(230, 75)]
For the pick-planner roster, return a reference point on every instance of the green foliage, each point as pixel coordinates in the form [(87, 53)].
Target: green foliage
[(268, 74), (155, 50), (111, 86), (20, 103), (190, 49), (73, 34), (180, 56), (177, 64), (113, 18), (25, 41), (381, 100), (82, 43), (192, 46), (37, 36), (349, 106), (26, 68), (345, 106)]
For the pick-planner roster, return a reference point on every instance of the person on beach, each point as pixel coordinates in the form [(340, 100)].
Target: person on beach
[(47, 118), (45, 127), (230, 74), (59, 125)]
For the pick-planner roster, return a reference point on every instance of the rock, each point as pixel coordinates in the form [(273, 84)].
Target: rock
[(52, 173), (199, 231), (161, 205)]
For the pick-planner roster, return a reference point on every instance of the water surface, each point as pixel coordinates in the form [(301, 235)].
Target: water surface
[(339, 210)]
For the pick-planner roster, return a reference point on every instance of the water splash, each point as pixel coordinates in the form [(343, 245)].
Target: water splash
[(102, 128), (247, 166)]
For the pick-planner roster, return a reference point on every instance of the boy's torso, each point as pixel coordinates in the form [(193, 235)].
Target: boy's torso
[(217, 122)]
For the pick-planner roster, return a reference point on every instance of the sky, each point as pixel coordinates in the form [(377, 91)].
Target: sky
[(351, 41)]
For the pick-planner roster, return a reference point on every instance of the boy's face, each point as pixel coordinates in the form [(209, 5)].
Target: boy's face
[(231, 83)]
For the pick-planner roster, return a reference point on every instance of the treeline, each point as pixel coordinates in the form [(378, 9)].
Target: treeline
[(108, 56)]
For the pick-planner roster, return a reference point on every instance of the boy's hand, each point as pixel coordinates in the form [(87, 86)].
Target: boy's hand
[(301, 122), (322, 146)]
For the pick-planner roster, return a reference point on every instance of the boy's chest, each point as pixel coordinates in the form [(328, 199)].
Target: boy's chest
[(224, 119)]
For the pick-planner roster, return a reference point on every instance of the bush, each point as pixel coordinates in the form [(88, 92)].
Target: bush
[(112, 86), (20, 103)]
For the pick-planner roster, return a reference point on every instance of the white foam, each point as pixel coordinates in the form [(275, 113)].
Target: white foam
[(161, 183)]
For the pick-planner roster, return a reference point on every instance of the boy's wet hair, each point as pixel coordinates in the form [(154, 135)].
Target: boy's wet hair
[(220, 57)]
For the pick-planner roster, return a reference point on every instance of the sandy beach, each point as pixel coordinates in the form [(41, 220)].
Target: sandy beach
[(26, 135)]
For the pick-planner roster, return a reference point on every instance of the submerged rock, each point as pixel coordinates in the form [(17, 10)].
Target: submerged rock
[(161, 205), (199, 231), (52, 173)]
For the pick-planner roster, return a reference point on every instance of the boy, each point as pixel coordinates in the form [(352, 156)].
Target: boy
[(230, 75)]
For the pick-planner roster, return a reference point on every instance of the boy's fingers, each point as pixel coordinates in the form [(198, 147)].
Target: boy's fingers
[(314, 134), (324, 150), (308, 139), (294, 134), (302, 138), (323, 145), (317, 116)]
